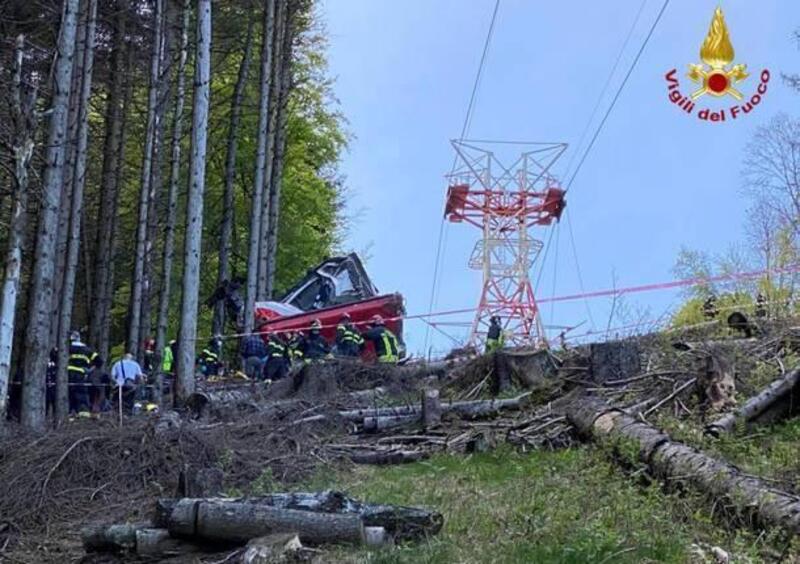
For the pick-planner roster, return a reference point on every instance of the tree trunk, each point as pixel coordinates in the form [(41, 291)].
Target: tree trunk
[(64, 211), (261, 159), (184, 384), (403, 523), (771, 404), (755, 500), (133, 343), (40, 306), (172, 199), (76, 212), (389, 457), (276, 175), (156, 179), (281, 13), (109, 176), (240, 521), (226, 230), (108, 298), (24, 123)]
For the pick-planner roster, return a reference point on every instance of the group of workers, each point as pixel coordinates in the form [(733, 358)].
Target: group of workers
[(91, 387), (271, 359)]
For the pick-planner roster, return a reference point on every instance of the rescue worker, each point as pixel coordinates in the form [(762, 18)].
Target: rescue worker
[(710, 310), (254, 354), (168, 359), (149, 355), (277, 365), (78, 368), (494, 338), (315, 346), (761, 305), (295, 346), (209, 358), (349, 342), (387, 347)]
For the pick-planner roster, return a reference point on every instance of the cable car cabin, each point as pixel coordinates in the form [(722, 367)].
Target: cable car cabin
[(456, 202), (553, 205)]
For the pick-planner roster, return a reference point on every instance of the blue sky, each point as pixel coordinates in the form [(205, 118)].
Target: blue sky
[(656, 179)]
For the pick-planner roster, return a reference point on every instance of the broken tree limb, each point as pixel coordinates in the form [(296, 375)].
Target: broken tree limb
[(238, 521), (157, 543), (111, 538), (464, 408), (388, 457), (772, 403), (382, 423), (677, 463)]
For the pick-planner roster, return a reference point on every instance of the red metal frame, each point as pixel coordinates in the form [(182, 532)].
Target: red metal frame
[(507, 204)]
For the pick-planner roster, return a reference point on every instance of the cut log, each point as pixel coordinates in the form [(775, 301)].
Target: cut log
[(403, 523), (677, 463), (431, 408), (402, 415), (773, 403), (390, 457), (111, 538), (238, 521), (480, 408), (382, 423), (157, 543)]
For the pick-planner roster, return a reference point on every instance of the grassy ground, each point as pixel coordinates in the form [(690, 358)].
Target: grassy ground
[(566, 506)]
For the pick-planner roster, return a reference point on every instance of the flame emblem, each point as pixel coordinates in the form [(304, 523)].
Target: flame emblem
[(717, 53)]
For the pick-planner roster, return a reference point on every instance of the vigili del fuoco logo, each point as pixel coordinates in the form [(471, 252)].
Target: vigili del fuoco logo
[(717, 77)]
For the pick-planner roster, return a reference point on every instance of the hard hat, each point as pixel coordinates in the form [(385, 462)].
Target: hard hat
[(316, 324), (376, 320), (345, 317), (75, 336)]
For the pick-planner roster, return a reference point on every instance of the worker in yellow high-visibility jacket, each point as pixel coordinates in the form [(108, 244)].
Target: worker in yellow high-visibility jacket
[(495, 340)]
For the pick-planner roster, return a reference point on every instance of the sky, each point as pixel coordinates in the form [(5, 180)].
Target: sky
[(656, 179)]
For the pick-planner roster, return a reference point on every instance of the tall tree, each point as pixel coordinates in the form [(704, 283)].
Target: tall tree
[(226, 228), (76, 209), (184, 384), (172, 196), (137, 281), (114, 117), (260, 162), (39, 307), (276, 177), (281, 18), (23, 117)]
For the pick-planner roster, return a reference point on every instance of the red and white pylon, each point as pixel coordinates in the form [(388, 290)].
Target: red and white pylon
[(509, 204)]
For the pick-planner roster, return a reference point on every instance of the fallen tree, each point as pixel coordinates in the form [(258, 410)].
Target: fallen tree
[(238, 521), (773, 403), (402, 523), (475, 408), (679, 464)]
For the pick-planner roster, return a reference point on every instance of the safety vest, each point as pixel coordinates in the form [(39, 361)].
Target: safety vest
[(80, 358), (276, 349), (495, 344), (389, 342), (166, 363)]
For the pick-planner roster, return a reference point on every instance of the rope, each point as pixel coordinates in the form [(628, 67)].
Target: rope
[(606, 85), (617, 95), (464, 129)]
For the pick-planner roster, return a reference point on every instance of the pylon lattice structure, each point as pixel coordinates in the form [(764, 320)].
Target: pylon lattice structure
[(509, 204)]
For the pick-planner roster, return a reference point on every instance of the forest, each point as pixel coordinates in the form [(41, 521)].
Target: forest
[(151, 150)]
